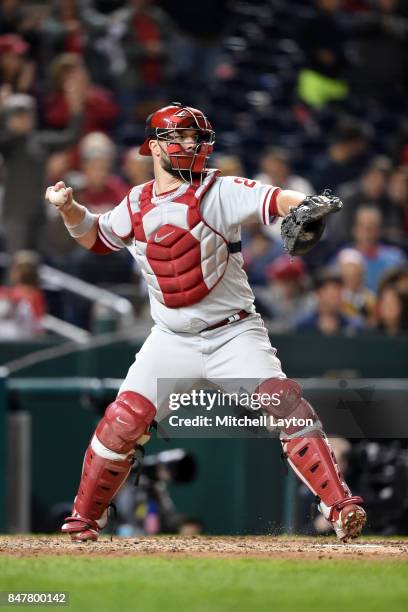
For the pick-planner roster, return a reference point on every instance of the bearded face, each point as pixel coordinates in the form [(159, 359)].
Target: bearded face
[(187, 139), (184, 152), (166, 165)]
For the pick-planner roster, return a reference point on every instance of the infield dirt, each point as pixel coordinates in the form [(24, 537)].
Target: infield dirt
[(209, 546)]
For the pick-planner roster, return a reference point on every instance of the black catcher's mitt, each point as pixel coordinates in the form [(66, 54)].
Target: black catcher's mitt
[(303, 227)]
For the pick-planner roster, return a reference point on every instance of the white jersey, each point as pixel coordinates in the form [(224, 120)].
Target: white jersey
[(229, 203)]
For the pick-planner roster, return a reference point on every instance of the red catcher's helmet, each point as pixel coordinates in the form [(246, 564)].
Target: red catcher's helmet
[(162, 124)]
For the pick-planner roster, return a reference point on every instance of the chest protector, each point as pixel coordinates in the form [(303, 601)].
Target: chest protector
[(181, 257)]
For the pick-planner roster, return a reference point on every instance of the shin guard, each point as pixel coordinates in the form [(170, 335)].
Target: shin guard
[(310, 455), (107, 463)]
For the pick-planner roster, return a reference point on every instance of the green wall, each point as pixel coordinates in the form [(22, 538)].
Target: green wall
[(240, 483), (302, 355)]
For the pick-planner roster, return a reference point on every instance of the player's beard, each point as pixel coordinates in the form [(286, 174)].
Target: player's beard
[(185, 175), (166, 165)]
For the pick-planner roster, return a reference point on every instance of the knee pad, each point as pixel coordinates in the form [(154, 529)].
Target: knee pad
[(286, 402), (126, 420), (284, 396)]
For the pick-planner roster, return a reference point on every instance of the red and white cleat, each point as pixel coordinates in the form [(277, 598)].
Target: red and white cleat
[(347, 518), (81, 529)]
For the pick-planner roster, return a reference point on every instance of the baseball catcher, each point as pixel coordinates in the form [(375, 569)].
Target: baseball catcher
[(184, 228)]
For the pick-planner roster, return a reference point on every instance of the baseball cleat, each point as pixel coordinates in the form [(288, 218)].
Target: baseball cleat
[(349, 522), (81, 529)]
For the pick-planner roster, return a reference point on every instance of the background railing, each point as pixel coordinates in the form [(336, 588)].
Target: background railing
[(102, 300)]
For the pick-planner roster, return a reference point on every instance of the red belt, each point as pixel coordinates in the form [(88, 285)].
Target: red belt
[(242, 314)]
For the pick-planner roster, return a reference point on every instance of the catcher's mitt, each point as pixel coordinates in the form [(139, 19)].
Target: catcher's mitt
[(303, 227)]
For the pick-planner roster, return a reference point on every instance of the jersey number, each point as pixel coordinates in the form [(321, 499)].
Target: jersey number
[(246, 182)]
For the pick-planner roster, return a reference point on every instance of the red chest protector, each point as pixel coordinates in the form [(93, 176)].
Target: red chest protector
[(181, 257)]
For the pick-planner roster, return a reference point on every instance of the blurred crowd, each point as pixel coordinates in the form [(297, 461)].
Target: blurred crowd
[(307, 95)]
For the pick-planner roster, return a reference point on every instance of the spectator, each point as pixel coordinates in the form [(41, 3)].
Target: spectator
[(392, 311), (398, 194), (22, 305), (401, 281), (285, 299), (229, 165), (148, 47), (136, 168), (16, 71), (378, 257), (357, 300), (60, 164), (327, 317), (101, 189), (369, 188), (345, 158), (23, 19), (276, 169), (198, 45), (25, 150), (396, 277), (322, 40), (136, 41), (148, 50), (100, 109), (62, 31)]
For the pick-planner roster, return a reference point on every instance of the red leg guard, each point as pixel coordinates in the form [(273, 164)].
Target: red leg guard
[(312, 459), (107, 463), (314, 463), (100, 481)]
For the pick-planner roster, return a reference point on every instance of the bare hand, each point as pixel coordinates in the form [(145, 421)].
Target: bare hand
[(60, 196)]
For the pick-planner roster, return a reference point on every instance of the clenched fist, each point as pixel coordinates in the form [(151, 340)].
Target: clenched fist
[(60, 195)]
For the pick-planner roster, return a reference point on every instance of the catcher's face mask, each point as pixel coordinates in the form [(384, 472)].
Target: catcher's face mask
[(188, 137)]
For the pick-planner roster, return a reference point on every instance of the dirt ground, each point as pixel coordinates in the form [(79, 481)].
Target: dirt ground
[(215, 546)]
